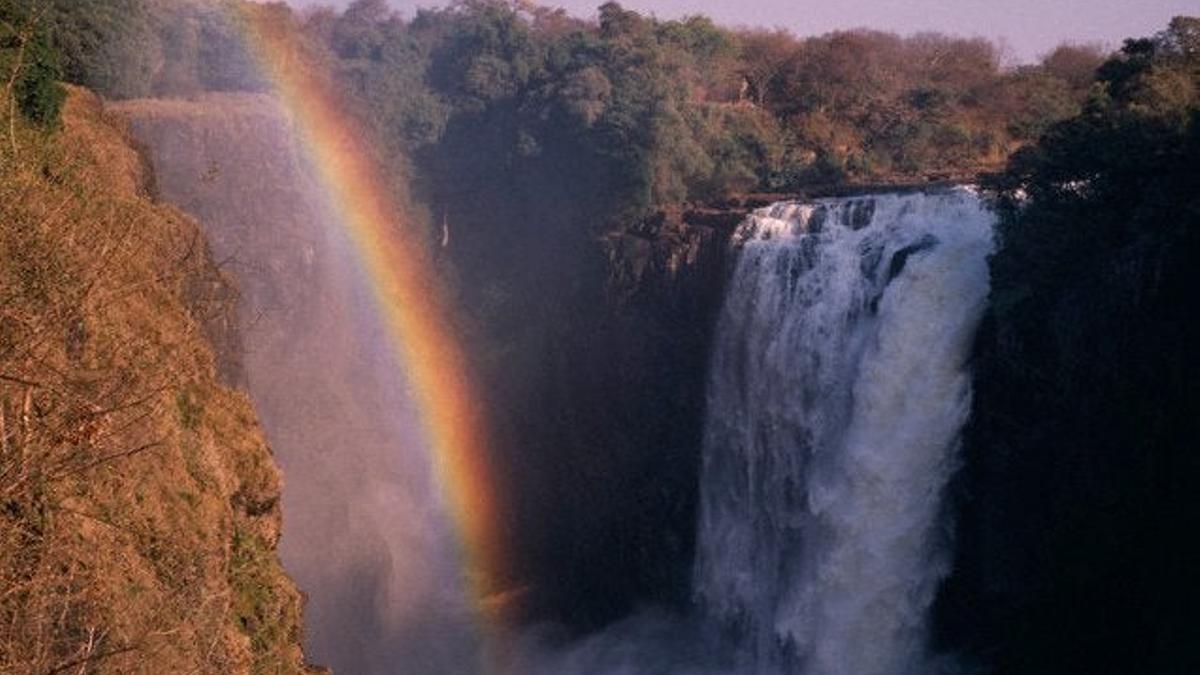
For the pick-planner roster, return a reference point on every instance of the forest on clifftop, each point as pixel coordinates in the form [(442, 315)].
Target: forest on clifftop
[(627, 111)]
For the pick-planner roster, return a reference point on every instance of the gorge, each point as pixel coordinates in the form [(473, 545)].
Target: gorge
[(825, 379), (836, 390), (591, 346)]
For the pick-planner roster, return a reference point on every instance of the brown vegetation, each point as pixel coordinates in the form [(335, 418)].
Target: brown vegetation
[(138, 500)]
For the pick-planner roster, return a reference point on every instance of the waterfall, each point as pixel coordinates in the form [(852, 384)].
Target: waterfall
[(838, 389)]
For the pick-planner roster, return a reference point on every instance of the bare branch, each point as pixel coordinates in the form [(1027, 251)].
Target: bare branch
[(109, 458), (90, 659)]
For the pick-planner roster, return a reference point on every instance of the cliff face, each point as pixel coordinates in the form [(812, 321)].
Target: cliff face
[(597, 399), (139, 502), (1077, 500), (361, 536)]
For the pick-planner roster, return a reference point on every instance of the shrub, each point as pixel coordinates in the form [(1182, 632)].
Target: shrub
[(29, 65)]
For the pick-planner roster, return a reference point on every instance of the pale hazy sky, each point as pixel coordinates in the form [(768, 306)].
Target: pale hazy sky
[(1029, 27)]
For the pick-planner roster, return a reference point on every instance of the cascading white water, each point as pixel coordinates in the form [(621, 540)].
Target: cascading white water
[(837, 393)]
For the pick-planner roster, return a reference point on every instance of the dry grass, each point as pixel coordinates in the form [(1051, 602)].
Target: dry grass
[(138, 500)]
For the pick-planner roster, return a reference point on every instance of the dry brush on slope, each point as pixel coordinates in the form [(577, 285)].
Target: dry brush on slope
[(139, 502)]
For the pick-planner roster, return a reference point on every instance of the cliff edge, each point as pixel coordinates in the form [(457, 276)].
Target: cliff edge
[(139, 502)]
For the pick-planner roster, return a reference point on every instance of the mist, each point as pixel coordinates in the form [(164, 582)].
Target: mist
[(366, 536)]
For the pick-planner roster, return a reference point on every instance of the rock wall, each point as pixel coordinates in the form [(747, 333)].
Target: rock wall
[(604, 440)]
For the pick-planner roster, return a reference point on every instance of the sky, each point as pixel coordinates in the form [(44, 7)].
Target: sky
[(1029, 28)]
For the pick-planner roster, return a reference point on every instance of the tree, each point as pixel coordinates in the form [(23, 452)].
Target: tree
[(1084, 389), (618, 22), (110, 46), (764, 55), (29, 65), (1074, 64)]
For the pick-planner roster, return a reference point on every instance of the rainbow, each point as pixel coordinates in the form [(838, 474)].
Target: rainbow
[(408, 298)]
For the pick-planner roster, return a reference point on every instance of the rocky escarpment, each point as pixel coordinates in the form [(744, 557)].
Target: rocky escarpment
[(139, 501)]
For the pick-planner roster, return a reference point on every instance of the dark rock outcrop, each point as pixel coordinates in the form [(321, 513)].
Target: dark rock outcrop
[(602, 432)]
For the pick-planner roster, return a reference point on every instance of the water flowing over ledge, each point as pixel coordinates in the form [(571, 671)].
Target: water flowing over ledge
[(837, 393)]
